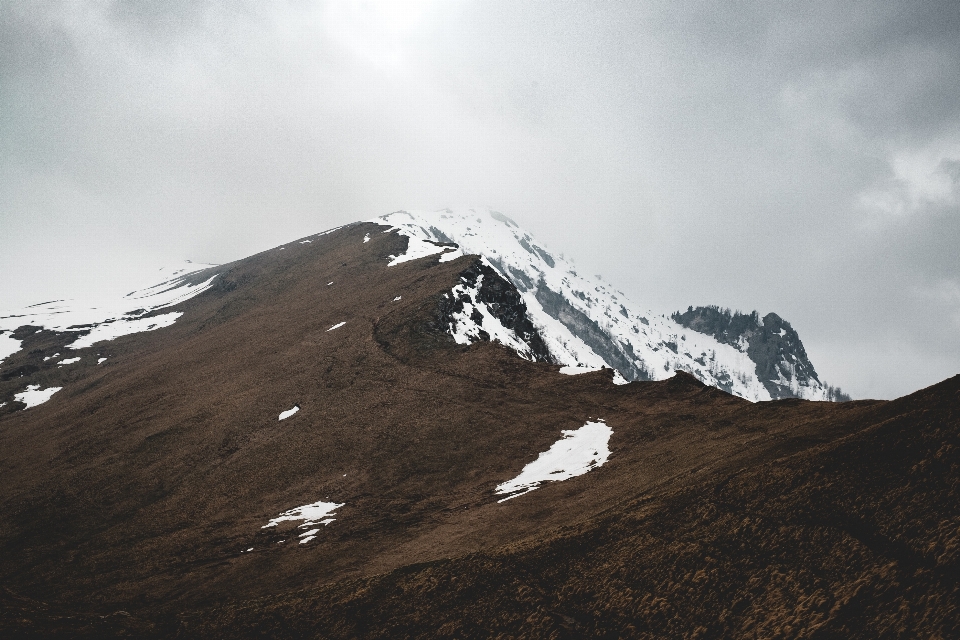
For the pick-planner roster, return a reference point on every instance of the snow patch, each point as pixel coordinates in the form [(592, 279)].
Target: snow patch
[(397, 299), (113, 330), (70, 360), (366, 238), (579, 451), (577, 370), (8, 345), (101, 360), (451, 255), (416, 249), (289, 412), (307, 536), (33, 395), (337, 326), (311, 514)]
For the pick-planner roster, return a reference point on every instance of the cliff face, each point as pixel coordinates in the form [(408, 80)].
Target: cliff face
[(782, 365)]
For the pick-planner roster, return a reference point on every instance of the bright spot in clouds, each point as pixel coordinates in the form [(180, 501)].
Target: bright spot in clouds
[(377, 31), (929, 176)]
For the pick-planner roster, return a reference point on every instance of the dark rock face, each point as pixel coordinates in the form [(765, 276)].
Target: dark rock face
[(621, 357), (770, 342), (504, 302)]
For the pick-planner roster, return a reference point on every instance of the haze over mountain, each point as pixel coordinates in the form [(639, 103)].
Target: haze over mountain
[(371, 432)]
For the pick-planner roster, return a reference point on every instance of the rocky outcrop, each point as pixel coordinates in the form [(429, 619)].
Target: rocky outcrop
[(480, 284), (782, 365)]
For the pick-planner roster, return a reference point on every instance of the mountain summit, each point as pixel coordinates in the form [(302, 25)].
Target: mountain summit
[(587, 324)]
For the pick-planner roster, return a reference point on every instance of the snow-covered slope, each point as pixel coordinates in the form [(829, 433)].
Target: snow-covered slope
[(109, 318), (770, 341), (584, 322)]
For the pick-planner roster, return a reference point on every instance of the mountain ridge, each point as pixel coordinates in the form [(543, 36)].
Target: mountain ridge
[(587, 323), (575, 320), (308, 450), (770, 341)]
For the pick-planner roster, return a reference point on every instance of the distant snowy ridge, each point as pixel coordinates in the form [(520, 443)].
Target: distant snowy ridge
[(112, 318), (770, 341), (582, 321)]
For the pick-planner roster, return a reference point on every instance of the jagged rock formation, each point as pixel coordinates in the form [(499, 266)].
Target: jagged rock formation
[(461, 313), (781, 361)]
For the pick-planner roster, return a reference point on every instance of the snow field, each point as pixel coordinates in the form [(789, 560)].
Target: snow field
[(108, 319), (579, 451), (312, 514), (33, 395)]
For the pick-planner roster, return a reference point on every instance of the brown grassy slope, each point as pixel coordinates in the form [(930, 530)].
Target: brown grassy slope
[(854, 539), (138, 485)]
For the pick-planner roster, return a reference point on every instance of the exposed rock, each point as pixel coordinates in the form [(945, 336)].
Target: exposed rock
[(781, 361)]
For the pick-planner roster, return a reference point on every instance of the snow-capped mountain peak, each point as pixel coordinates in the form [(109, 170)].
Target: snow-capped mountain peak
[(588, 324)]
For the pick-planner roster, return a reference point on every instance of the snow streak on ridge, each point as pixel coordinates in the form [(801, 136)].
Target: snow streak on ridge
[(108, 319)]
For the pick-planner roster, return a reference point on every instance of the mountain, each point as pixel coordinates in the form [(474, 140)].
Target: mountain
[(326, 440), (586, 323), (782, 363), (575, 320)]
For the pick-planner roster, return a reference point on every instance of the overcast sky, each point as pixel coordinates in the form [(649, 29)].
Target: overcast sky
[(796, 157)]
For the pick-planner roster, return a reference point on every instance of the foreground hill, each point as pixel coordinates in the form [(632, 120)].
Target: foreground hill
[(306, 450), (853, 539)]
